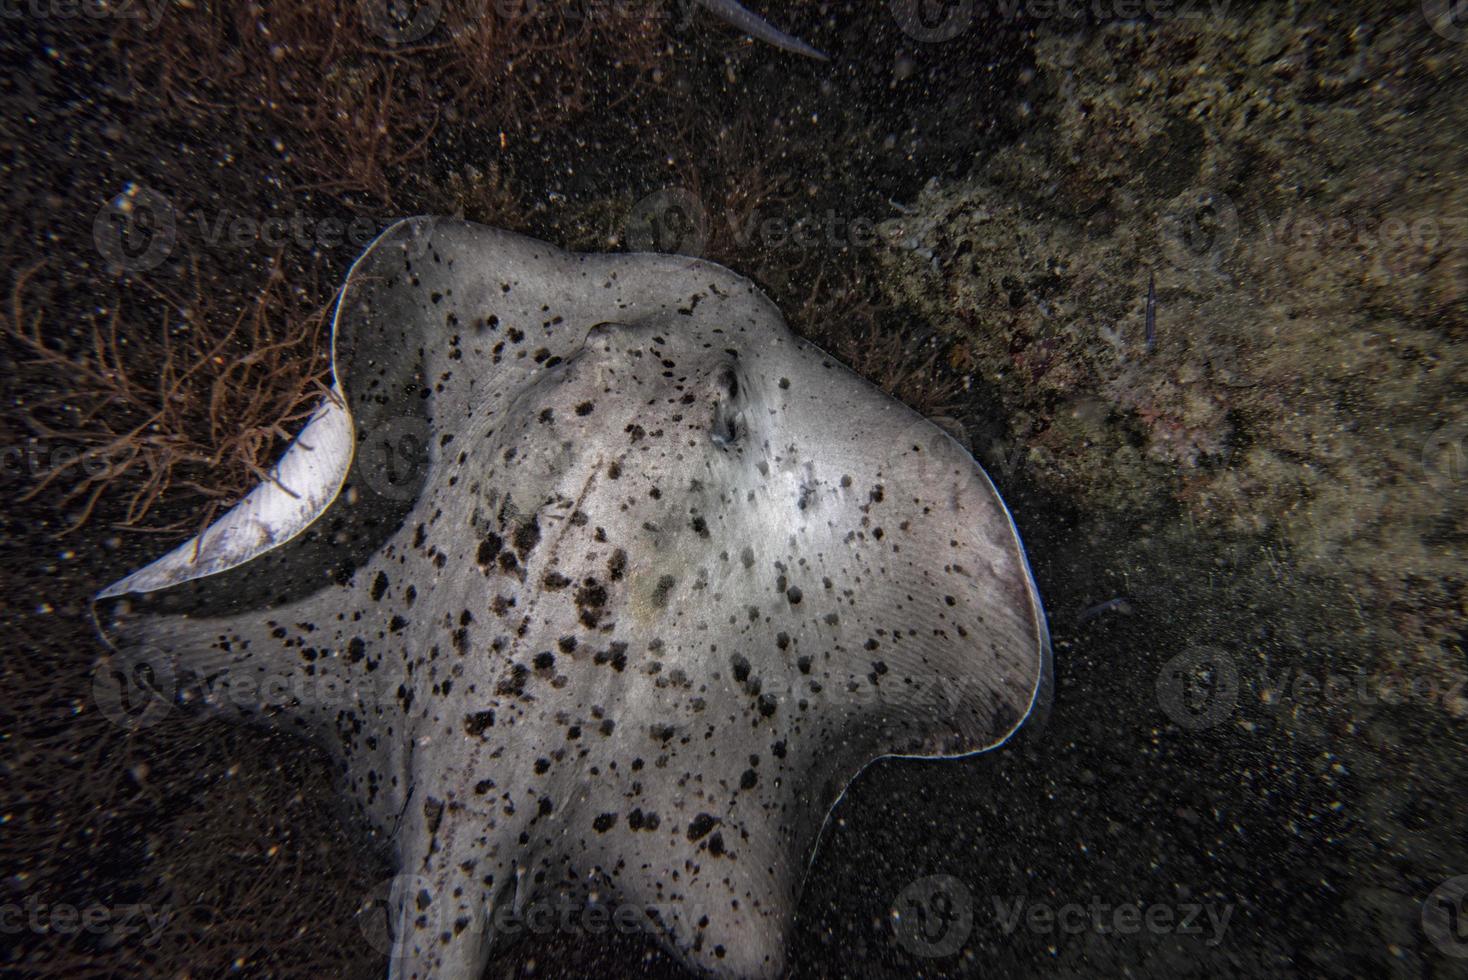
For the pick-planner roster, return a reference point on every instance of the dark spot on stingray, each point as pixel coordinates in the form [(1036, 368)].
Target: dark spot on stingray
[(420, 534), (778, 749), (396, 624), (701, 825), (489, 549), (782, 640), (483, 786), (794, 595), (767, 705), (527, 537), (617, 564), (876, 494), (542, 766), (516, 335), (566, 644), (356, 650), (433, 813), (700, 527), (547, 416), (555, 581), (514, 683), (784, 383), (607, 726), (379, 587), (637, 820), (615, 470), (410, 594), (616, 655), (545, 806), (585, 408), (664, 588), (545, 660), (803, 663), (748, 780), (662, 733), (746, 557), (716, 844), (741, 667), (870, 644), (636, 432), (604, 822), (478, 722)]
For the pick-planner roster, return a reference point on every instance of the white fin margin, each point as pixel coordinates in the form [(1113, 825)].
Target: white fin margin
[(304, 482)]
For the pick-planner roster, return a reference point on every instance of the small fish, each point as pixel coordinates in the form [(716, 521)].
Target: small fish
[(1151, 312), (759, 28), (1120, 605)]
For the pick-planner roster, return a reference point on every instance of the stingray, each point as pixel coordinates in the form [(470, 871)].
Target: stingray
[(600, 586)]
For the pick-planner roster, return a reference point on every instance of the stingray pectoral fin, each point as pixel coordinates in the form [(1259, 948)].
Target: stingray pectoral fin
[(942, 648), (757, 27), (301, 486)]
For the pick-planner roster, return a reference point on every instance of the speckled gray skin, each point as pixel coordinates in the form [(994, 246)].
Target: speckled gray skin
[(669, 579)]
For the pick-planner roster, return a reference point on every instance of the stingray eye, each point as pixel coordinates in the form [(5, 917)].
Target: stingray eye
[(729, 382), (726, 427)]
